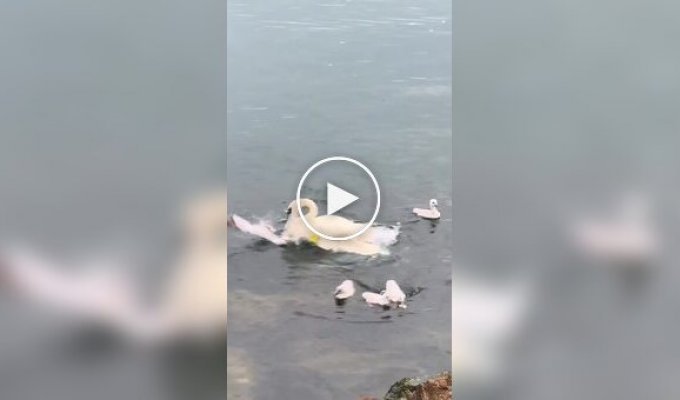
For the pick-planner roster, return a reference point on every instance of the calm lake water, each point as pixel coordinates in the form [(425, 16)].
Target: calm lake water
[(308, 80)]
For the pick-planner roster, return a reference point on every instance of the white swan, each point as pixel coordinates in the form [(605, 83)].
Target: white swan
[(373, 241), (627, 236), (345, 290), (428, 213), (394, 293)]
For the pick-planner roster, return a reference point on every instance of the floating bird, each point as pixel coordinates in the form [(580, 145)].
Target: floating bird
[(373, 241), (428, 213), (376, 299), (394, 293), (627, 237), (344, 291)]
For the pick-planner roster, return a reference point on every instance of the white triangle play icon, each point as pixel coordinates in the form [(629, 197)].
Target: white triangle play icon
[(337, 198)]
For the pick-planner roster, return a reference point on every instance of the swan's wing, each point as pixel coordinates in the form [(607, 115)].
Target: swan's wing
[(427, 213), (420, 211), (261, 230)]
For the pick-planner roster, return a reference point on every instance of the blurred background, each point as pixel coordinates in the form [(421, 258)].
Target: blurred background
[(112, 119), (565, 197)]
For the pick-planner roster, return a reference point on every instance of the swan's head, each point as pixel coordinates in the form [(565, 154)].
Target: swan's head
[(305, 204), (433, 203)]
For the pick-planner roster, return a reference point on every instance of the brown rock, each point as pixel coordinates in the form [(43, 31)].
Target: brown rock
[(437, 387)]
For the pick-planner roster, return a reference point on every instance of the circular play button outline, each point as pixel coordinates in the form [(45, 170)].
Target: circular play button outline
[(358, 164)]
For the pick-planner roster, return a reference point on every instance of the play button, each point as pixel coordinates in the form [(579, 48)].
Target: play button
[(337, 198), (357, 208)]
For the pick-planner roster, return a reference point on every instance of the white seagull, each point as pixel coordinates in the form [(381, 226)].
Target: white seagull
[(428, 213)]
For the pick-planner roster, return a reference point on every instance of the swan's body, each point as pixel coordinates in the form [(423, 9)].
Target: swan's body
[(372, 242), (394, 293), (627, 237), (428, 213), (345, 290), (375, 299)]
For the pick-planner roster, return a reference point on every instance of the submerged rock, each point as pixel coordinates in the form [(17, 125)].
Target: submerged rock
[(437, 387)]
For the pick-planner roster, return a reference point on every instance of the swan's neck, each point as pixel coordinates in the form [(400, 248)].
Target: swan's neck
[(313, 210)]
